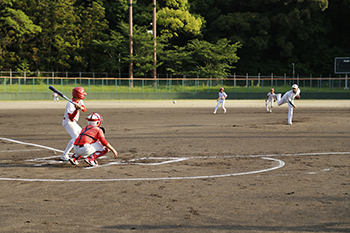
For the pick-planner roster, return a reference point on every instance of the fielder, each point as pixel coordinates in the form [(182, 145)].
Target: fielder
[(270, 97), (55, 97), (221, 100), (71, 117), (91, 143), (289, 97)]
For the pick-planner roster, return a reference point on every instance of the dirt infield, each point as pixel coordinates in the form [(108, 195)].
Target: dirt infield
[(180, 168)]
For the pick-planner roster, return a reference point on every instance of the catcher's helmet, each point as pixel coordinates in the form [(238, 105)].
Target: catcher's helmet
[(79, 93), (95, 119)]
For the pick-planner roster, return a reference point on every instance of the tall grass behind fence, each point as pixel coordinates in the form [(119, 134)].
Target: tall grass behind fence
[(104, 84)]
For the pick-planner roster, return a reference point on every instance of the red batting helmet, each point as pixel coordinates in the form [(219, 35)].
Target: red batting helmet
[(272, 89), (79, 93), (95, 117), (221, 88)]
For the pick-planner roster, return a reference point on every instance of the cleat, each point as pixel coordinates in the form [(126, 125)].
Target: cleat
[(225, 111), (91, 162), (289, 123), (214, 112), (73, 161), (64, 158), (270, 110)]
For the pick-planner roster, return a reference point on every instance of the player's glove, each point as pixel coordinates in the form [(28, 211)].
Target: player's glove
[(103, 129)]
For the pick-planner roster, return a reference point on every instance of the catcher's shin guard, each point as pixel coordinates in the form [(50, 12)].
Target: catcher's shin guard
[(98, 154)]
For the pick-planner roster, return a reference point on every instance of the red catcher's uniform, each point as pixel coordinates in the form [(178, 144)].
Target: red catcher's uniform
[(89, 135)]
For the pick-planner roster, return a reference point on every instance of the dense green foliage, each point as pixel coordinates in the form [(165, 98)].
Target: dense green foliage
[(196, 37)]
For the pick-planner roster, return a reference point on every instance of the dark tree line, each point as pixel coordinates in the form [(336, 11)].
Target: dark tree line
[(194, 37)]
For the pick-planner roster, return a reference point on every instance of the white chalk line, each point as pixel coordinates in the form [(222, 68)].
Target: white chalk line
[(281, 164), (171, 159), (12, 151)]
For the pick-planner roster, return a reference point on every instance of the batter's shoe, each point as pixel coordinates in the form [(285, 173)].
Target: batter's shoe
[(64, 158), (91, 162)]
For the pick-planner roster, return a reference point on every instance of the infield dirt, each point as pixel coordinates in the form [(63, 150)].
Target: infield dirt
[(308, 191)]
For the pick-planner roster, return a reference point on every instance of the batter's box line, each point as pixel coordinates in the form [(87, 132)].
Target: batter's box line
[(133, 161)]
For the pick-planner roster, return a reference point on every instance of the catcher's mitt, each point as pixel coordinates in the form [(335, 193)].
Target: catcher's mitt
[(103, 129)]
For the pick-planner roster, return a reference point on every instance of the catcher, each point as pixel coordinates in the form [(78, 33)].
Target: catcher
[(91, 143)]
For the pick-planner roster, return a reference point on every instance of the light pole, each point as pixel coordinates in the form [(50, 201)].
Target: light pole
[(131, 75), (154, 38), (293, 70)]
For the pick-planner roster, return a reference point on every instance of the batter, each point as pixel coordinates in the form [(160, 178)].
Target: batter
[(71, 117)]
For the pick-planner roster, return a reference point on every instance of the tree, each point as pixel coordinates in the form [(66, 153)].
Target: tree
[(203, 58), (15, 29)]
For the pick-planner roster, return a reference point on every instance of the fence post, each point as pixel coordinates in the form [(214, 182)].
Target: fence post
[(143, 85), (246, 82), (116, 85), (5, 84), (195, 85), (183, 87), (310, 80), (169, 85), (259, 79), (10, 77), (285, 79), (234, 81), (298, 79), (346, 82)]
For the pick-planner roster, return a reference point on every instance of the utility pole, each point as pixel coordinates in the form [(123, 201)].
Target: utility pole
[(131, 75), (154, 38)]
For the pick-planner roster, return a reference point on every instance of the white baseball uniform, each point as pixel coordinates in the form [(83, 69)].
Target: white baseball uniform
[(222, 97), (55, 97), (71, 125), (270, 98), (288, 97)]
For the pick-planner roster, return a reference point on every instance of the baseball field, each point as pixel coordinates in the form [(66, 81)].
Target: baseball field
[(180, 168)]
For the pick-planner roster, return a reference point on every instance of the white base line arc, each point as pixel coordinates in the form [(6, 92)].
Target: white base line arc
[(267, 157), (281, 164)]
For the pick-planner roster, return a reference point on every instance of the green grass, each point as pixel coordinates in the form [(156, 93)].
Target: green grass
[(148, 86)]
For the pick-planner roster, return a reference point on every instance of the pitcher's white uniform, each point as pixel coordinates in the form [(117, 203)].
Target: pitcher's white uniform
[(289, 97), (270, 97), (221, 100), (71, 125)]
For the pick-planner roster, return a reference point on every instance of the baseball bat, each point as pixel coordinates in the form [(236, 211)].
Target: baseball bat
[(60, 94)]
